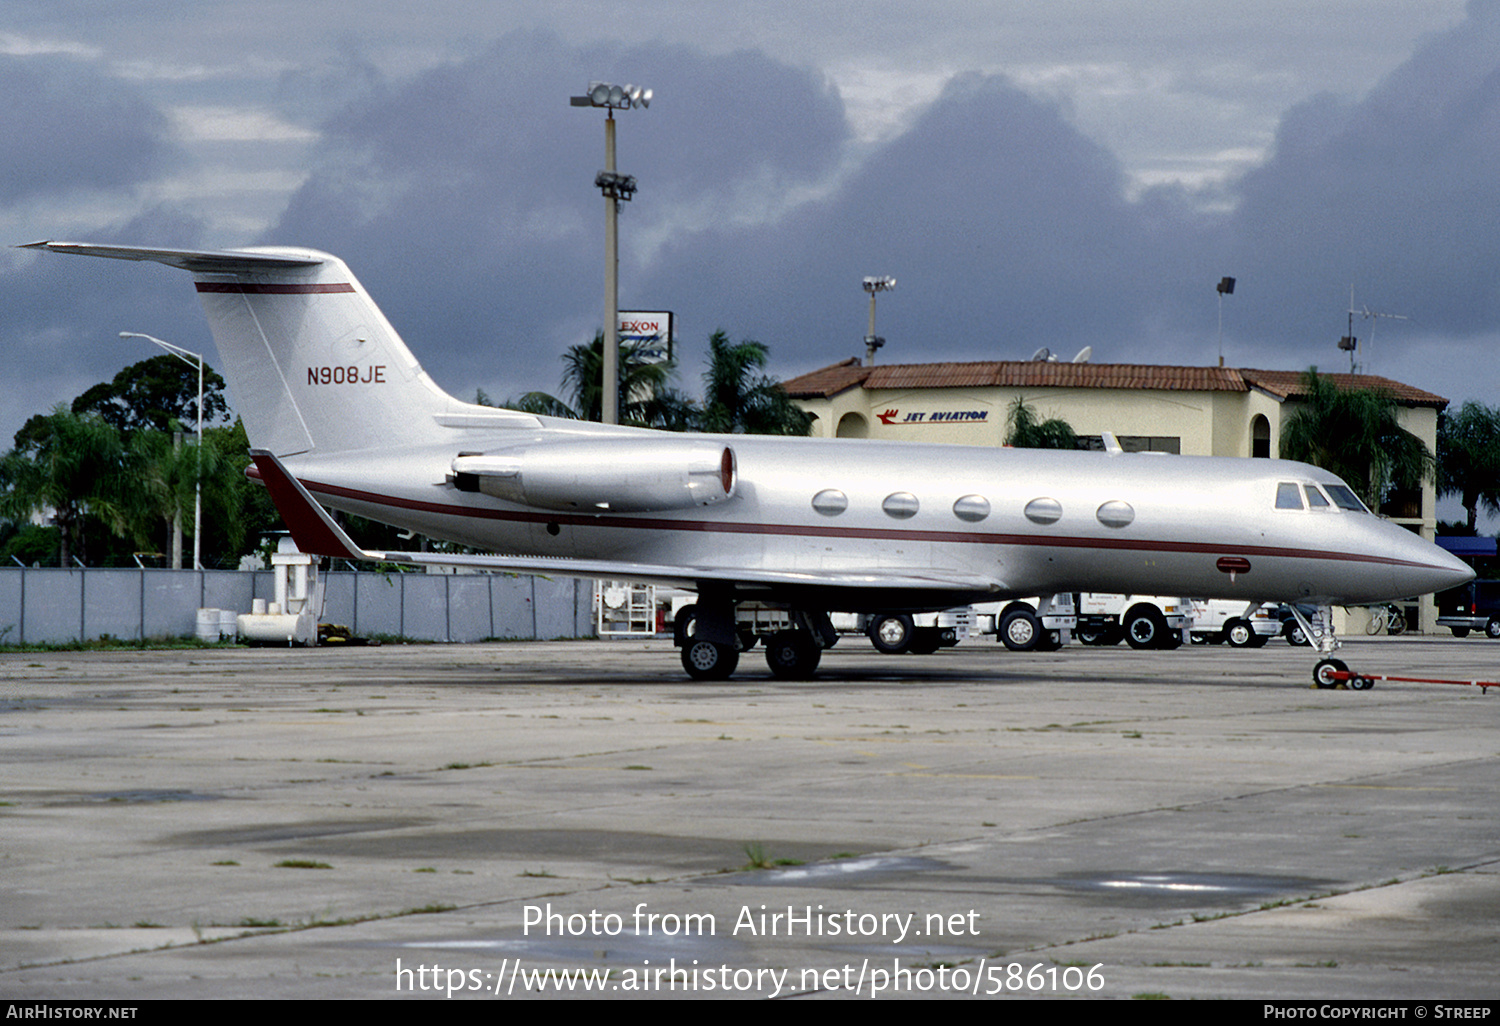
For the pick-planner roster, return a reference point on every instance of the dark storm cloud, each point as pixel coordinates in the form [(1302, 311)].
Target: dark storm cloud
[(1005, 228), (63, 316), (464, 199), (67, 128), (1396, 194)]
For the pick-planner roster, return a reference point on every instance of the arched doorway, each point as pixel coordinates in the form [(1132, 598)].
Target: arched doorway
[(853, 425), (1260, 437)]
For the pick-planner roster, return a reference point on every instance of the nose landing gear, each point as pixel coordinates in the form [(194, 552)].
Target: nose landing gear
[(1329, 672)]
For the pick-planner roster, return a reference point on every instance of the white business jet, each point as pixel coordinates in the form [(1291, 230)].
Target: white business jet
[(340, 414)]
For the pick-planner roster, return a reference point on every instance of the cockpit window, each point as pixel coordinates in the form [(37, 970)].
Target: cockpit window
[(1288, 496), (1315, 498), (1344, 498)]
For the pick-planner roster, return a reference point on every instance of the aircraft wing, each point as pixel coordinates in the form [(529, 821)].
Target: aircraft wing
[(316, 533)]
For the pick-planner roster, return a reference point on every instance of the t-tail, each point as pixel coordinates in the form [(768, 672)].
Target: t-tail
[(311, 362)]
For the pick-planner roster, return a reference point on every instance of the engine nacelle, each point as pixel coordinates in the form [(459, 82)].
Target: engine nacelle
[(604, 475)]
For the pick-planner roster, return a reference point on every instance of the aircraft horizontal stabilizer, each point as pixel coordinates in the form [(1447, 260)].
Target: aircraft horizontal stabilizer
[(199, 261)]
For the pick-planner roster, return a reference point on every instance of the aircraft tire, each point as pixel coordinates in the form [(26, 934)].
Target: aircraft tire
[(1092, 636), (708, 660), (925, 640), (1324, 667), (792, 655), (1020, 630), (1240, 634), (891, 633), (1144, 628), (682, 624)]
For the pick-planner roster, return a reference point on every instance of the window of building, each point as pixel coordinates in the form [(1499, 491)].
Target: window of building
[(1135, 443)]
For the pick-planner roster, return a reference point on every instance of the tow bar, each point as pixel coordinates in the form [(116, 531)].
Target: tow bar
[(1366, 681)]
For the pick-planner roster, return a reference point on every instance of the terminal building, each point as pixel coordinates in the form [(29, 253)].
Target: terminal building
[(1190, 411)]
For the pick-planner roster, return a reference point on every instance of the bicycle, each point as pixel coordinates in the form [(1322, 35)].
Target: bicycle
[(1386, 619)]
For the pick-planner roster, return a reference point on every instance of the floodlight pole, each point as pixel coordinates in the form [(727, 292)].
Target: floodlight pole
[(196, 358), (1224, 288), (875, 285), (611, 398), (616, 187)]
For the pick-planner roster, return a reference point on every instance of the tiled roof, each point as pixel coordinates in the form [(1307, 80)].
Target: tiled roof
[(1285, 384), (830, 381)]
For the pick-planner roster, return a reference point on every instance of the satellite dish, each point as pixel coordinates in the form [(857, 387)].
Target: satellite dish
[(1042, 355), (1084, 354)]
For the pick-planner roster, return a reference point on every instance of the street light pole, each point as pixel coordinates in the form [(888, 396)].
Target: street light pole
[(183, 355), (616, 188)]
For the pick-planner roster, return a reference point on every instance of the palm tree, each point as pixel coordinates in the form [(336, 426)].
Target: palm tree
[(73, 466), (646, 400), (739, 400), (168, 477), (1354, 433), (1025, 431), (1469, 458)]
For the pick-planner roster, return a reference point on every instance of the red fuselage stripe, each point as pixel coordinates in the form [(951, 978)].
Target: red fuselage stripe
[(248, 289), (890, 534)]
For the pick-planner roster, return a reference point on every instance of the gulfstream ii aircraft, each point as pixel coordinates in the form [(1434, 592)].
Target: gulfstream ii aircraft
[(341, 415)]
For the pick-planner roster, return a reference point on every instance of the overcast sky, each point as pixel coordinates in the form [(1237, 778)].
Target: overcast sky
[(1034, 173)]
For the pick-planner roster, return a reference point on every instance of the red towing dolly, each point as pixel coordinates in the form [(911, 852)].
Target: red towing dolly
[(1332, 672)]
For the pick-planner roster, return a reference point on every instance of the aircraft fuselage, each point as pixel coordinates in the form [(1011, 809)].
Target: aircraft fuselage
[(1020, 522)]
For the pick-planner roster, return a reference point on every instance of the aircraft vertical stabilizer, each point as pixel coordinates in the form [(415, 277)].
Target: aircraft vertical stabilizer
[(311, 361)]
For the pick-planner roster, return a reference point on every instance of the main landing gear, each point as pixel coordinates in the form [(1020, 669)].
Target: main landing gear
[(1330, 672), (711, 645)]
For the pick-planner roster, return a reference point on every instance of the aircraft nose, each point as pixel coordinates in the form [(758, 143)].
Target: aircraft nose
[(1454, 572), (1430, 569)]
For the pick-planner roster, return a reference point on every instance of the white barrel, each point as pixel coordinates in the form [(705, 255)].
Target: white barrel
[(228, 623), (208, 625)]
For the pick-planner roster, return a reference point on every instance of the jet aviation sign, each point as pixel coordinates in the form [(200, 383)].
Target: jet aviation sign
[(895, 417)]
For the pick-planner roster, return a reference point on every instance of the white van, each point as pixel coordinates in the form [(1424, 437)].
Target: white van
[(1240, 624)]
